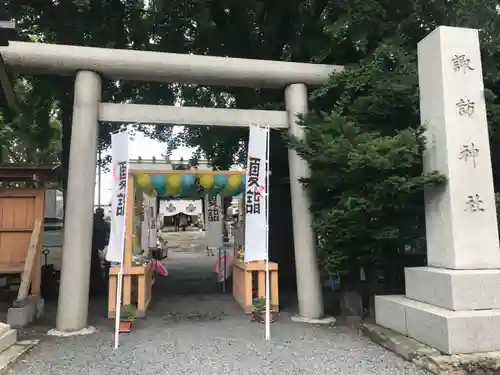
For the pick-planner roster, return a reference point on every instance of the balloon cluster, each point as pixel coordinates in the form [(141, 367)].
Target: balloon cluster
[(188, 185)]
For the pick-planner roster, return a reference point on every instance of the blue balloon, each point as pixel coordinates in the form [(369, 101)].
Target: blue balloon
[(240, 190), (188, 181), (220, 181), (188, 185), (159, 182)]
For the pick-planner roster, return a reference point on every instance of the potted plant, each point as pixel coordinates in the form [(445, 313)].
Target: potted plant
[(259, 310), (127, 315)]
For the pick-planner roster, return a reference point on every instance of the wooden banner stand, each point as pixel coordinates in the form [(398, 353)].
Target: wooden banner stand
[(243, 281), (246, 275), (142, 274)]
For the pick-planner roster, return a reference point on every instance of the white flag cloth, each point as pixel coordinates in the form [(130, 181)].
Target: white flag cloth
[(145, 222), (213, 220), (153, 228), (119, 164), (255, 196), (184, 206)]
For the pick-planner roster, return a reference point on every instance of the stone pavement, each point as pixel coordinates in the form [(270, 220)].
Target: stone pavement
[(192, 328), (190, 241)]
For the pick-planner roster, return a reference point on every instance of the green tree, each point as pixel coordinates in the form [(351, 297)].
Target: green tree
[(109, 24), (364, 149), (22, 139)]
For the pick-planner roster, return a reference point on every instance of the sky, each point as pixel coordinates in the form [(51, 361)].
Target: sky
[(146, 148)]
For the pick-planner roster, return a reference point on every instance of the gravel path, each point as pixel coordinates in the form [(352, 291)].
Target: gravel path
[(208, 334), (232, 345)]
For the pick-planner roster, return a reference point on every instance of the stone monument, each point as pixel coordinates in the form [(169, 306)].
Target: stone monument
[(453, 304)]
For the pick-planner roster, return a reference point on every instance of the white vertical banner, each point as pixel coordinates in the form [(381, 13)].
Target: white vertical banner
[(153, 227), (255, 196), (214, 223), (145, 218), (119, 162)]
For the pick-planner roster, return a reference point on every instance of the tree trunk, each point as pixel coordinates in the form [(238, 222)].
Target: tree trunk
[(280, 215), (66, 98)]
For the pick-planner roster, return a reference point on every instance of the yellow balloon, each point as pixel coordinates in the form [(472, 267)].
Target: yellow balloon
[(207, 181), (143, 181), (174, 180), (172, 190), (234, 181), (150, 191)]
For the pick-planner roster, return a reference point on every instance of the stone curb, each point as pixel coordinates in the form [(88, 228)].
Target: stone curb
[(11, 355), (432, 359)]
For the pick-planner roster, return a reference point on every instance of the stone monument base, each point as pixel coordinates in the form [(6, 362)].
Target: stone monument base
[(451, 332), (454, 289), (431, 359)]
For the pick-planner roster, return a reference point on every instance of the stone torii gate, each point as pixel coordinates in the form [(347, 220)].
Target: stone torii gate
[(89, 64), (7, 96)]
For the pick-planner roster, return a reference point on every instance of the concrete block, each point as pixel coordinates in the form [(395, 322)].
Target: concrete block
[(451, 332), (454, 289), (20, 316), (24, 314), (7, 339)]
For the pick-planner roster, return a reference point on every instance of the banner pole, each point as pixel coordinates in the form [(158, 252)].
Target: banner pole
[(119, 286), (268, 303)]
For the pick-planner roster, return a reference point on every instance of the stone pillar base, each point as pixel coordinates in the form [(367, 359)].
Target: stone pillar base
[(327, 320), (451, 332), (454, 311), (81, 332)]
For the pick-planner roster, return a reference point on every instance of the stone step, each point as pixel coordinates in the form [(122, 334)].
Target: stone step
[(451, 332), (7, 339), (4, 328)]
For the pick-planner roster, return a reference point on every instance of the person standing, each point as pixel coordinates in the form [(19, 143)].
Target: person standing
[(177, 222), (183, 222), (100, 239)]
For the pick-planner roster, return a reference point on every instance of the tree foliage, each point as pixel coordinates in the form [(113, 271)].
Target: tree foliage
[(108, 24), (364, 144), (22, 139), (364, 139)]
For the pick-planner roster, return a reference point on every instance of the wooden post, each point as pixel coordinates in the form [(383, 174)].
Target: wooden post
[(273, 278), (37, 276), (31, 264), (112, 296), (261, 284), (129, 231)]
